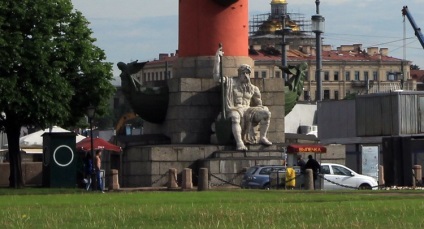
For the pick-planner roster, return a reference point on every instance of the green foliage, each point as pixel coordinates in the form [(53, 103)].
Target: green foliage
[(213, 209), (415, 67), (50, 69), (350, 96)]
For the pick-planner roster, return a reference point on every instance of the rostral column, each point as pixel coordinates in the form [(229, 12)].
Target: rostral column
[(203, 24)]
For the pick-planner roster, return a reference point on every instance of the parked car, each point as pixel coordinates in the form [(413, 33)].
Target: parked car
[(336, 176), (258, 176), (341, 177)]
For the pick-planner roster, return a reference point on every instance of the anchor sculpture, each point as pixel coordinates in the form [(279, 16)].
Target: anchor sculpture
[(149, 102)]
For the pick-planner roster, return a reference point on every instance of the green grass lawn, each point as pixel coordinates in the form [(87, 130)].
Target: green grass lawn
[(55, 208)]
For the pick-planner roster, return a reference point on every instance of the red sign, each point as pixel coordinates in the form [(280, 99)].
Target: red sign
[(306, 149)]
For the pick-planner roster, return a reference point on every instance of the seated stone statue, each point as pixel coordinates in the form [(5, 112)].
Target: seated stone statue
[(244, 107)]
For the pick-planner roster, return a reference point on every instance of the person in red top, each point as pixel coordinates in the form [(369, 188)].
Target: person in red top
[(97, 167)]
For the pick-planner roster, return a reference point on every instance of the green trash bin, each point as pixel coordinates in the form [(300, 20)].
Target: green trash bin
[(59, 160)]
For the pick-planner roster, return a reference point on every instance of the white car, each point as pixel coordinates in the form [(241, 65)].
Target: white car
[(341, 177)]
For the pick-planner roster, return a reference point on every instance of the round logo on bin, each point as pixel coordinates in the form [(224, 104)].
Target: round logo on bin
[(62, 161)]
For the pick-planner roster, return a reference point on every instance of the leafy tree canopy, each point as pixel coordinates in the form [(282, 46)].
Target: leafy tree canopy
[(415, 67), (50, 69)]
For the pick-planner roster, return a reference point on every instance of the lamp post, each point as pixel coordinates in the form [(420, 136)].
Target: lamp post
[(91, 110), (318, 28), (284, 31)]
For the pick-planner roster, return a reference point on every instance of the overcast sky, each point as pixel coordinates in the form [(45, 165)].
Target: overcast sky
[(141, 29)]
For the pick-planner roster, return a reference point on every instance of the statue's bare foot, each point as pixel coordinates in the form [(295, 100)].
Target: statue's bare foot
[(241, 146), (265, 141)]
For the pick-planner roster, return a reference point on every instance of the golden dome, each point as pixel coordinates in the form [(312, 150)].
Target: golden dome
[(278, 1), (272, 26)]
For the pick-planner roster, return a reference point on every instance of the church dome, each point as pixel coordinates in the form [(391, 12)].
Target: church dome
[(278, 1)]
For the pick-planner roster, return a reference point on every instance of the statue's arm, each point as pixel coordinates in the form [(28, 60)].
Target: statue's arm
[(217, 66), (257, 100)]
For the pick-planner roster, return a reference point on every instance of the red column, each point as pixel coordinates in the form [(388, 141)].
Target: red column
[(203, 24)]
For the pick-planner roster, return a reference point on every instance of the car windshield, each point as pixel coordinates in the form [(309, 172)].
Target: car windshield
[(338, 170), (268, 170), (252, 170), (325, 169)]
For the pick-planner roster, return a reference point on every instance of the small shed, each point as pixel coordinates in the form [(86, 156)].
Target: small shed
[(390, 114)]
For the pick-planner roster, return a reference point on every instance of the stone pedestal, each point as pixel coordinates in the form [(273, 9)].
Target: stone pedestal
[(417, 174), (186, 179), (114, 181), (309, 179), (148, 166), (203, 180), (196, 102), (172, 178), (381, 181)]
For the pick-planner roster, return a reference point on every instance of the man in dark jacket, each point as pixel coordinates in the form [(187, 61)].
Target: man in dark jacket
[(314, 165), (301, 163)]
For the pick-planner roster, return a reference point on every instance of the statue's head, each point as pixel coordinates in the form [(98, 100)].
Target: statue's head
[(244, 73), (245, 68)]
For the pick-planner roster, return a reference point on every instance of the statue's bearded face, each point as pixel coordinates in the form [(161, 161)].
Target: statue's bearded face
[(244, 76), (244, 81)]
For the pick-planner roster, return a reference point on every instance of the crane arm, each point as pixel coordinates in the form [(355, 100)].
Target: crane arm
[(405, 12), (124, 118)]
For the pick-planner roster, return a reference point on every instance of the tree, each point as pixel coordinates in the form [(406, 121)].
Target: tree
[(50, 70), (415, 67)]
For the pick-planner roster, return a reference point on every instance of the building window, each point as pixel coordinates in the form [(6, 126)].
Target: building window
[(336, 95), (326, 76), (357, 76), (161, 76), (375, 75), (156, 76), (347, 76), (306, 96), (366, 75), (390, 76), (326, 94), (336, 75), (263, 74), (277, 74), (256, 74)]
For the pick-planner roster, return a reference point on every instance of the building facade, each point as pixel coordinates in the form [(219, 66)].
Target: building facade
[(346, 70)]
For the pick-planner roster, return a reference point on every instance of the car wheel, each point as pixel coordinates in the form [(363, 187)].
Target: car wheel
[(364, 187), (267, 186)]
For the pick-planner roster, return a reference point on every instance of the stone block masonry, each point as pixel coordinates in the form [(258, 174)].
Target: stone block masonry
[(151, 169), (196, 102)]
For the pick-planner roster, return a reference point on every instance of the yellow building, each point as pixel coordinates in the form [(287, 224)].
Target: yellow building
[(346, 70)]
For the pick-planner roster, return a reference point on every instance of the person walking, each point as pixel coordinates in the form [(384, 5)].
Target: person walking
[(314, 165), (98, 164), (88, 170)]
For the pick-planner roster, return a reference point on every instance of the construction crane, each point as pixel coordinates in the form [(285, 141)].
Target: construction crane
[(121, 122), (405, 12)]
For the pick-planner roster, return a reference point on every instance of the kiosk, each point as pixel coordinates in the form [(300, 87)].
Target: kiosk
[(59, 160)]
